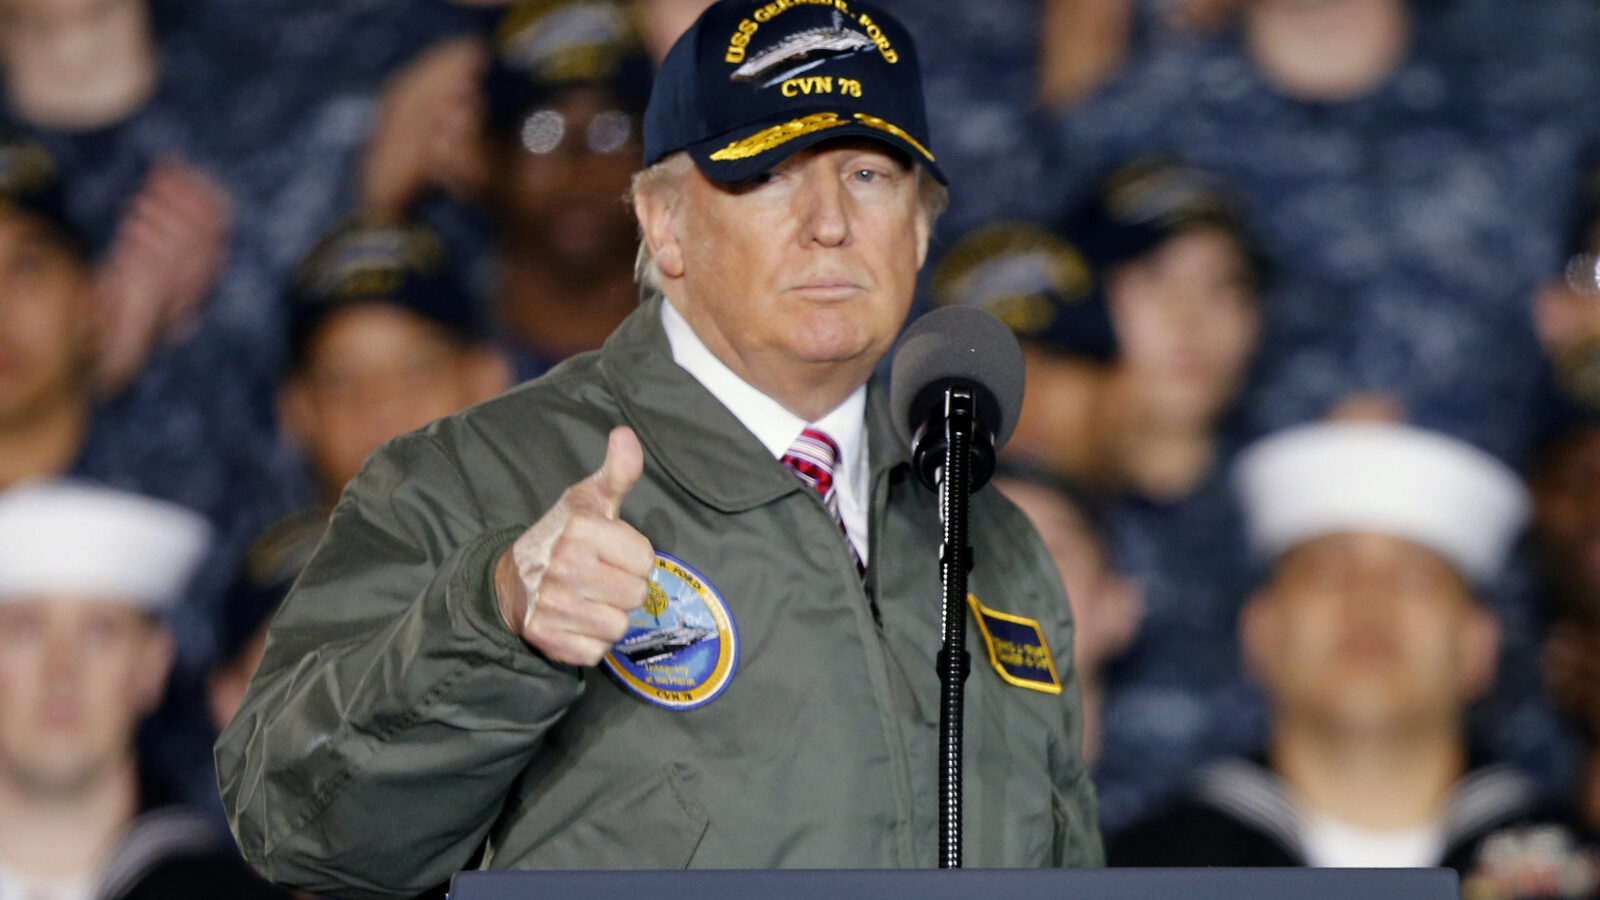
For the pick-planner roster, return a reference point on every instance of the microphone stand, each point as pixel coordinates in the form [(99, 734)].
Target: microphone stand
[(954, 662)]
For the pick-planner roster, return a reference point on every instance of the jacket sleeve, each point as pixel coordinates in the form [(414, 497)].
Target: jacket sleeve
[(394, 709)]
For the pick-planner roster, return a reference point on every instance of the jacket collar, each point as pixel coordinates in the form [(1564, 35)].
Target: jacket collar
[(884, 447), (693, 437)]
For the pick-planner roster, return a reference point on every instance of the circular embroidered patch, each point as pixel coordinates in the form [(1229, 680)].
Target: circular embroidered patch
[(681, 648)]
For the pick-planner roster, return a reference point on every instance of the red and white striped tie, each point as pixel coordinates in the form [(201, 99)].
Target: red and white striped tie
[(812, 458)]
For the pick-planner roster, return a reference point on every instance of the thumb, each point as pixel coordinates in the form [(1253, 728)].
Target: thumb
[(624, 463)]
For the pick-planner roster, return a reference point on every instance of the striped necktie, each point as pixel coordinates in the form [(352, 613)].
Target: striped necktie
[(812, 458)]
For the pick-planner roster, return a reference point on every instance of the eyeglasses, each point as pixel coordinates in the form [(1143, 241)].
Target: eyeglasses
[(1583, 273), (545, 131)]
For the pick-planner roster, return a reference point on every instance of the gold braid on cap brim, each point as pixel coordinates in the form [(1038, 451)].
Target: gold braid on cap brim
[(767, 138)]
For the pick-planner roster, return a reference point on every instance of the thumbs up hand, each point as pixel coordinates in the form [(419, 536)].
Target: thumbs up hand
[(567, 584)]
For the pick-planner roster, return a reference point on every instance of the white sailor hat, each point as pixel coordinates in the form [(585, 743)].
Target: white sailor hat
[(69, 537), (1398, 480)]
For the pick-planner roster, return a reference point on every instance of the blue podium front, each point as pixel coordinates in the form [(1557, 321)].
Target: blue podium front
[(967, 884)]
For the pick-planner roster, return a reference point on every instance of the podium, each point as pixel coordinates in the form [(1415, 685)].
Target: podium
[(966, 884)]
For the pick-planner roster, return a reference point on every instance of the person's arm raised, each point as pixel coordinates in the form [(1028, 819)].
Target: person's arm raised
[(396, 707), (567, 584)]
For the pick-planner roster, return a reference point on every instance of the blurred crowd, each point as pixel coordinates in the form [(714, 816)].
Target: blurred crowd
[(1309, 294)]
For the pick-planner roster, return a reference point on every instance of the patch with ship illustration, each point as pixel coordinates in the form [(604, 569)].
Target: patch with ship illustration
[(681, 648)]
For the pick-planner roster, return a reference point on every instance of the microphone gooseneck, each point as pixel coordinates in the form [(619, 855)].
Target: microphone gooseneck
[(956, 389)]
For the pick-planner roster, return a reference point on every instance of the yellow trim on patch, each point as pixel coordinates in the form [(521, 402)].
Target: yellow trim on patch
[(764, 140), (897, 131), (709, 687), (979, 611)]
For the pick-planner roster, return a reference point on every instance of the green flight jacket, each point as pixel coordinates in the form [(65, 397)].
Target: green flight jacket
[(397, 725)]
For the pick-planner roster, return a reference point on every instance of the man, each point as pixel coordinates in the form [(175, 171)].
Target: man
[(383, 340), (1139, 318), (565, 91), (85, 574), (559, 95), (1370, 644), (691, 657)]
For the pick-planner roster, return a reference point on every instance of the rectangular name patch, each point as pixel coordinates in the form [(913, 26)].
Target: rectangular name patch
[(1017, 649)]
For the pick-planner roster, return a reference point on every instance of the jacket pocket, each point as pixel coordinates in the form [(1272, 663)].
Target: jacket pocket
[(654, 823)]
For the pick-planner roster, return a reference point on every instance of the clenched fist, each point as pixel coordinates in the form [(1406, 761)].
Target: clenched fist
[(568, 583)]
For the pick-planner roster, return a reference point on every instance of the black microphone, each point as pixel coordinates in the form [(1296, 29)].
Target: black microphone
[(968, 350), (955, 390)]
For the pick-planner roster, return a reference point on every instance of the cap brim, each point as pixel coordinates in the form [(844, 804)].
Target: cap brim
[(744, 154)]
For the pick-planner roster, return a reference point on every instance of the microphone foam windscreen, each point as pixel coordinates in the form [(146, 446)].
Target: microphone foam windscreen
[(957, 342)]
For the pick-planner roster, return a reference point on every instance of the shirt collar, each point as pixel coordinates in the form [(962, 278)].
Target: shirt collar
[(775, 427)]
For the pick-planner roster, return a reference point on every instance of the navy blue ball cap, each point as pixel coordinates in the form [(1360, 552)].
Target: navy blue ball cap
[(753, 81), (30, 183), (1145, 202), (545, 47), (375, 261), (1033, 279)]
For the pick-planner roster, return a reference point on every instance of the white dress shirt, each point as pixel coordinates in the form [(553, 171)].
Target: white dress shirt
[(775, 427)]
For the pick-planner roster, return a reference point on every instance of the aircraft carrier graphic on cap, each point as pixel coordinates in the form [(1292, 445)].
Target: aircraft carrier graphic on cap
[(822, 43)]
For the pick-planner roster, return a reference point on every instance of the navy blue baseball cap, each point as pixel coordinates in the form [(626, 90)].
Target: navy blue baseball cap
[(1145, 202), (543, 48), (752, 82), (401, 264), (30, 183), (1035, 280)]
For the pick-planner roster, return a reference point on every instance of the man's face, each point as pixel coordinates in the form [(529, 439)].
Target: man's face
[(373, 372), (807, 272), (560, 184), (1361, 631), (1186, 321), (1566, 520), (77, 674), (44, 320)]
